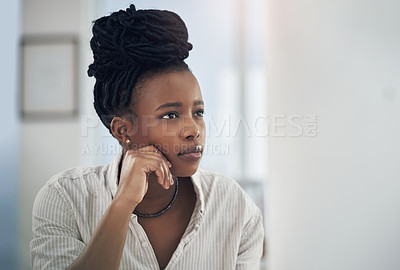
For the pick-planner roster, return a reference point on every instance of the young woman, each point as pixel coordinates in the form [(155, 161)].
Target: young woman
[(151, 208)]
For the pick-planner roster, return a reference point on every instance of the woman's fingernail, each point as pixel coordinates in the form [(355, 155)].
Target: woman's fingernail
[(169, 164)]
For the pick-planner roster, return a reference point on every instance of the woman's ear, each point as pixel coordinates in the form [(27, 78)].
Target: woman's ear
[(121, 128)]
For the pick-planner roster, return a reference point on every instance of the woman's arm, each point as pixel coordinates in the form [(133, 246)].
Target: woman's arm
[(105, 248)]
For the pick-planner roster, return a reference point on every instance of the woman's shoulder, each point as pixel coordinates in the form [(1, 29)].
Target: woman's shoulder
[(74, 190), (75, 182), (76, 174)]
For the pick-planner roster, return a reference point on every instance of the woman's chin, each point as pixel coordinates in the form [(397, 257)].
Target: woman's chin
[(186, 172)]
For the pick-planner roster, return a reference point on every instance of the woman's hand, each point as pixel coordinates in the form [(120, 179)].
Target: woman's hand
[(136, 168)]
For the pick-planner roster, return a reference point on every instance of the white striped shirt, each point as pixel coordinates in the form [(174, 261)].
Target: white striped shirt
[(225, 230)]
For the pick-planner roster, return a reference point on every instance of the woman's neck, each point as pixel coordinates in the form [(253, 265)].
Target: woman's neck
[(156, 198)]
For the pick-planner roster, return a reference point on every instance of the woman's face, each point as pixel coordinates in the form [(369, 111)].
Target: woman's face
[(169, 113)]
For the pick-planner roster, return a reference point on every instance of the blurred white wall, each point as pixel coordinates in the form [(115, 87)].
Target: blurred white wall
[(334, 197), (9, 157), (47, 146)]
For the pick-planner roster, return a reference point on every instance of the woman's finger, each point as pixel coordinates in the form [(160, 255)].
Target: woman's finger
[(151, 152), (167, 175), (161, 164), (167, 165), (158, 168), (157, 163)]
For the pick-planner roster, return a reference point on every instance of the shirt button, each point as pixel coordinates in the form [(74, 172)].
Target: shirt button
[(145, 244)]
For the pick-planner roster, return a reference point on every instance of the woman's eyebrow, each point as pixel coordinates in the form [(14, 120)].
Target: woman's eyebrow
[(178, 104)]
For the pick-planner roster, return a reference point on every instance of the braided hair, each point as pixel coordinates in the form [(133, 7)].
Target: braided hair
[(127, 45)]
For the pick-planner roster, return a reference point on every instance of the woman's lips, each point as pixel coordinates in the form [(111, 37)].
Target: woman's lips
[(192, 149), (191, 156), (192, 153)]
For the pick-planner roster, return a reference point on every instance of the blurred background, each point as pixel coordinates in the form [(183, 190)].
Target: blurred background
[(302, 109)]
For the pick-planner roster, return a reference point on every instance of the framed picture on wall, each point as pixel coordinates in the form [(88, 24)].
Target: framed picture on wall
[(49, 80)]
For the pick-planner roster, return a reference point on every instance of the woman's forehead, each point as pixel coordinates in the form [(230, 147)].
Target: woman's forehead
[(167, 88)]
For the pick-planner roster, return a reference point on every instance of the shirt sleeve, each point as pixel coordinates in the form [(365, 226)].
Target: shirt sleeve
[(56, 239), (251, 244)]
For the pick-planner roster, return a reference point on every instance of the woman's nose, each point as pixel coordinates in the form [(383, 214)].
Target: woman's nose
[(194, 136), (190, 131)]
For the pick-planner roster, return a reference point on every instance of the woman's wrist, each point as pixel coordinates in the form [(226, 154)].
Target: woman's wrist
[(123, 205)]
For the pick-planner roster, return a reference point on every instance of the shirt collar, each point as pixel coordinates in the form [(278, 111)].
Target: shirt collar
[(112, 174), (199, 192)]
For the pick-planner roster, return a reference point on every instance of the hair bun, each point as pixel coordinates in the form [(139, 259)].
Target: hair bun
[(131, 9), (137, 38), (128, 43)]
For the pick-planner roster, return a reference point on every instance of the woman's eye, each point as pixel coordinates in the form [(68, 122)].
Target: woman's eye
[(170, 115), (200, 113)]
